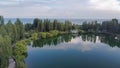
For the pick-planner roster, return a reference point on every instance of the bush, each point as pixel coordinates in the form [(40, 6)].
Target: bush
[(49, 35), (20, 48), (27, 41), (54, 32), (34, 36), (61, 33), (81, 31), (42, 35)]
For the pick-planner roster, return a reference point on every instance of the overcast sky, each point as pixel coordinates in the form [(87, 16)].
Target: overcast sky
[(60, 8)]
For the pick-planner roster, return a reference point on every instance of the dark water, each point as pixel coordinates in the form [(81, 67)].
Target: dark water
[(72, 51), (75, 21)]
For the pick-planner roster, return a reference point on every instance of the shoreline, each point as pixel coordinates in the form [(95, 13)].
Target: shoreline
[(11, 63)]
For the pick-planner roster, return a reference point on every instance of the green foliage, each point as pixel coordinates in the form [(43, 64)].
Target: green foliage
[(111, 27), (49, 35), (5, 47), (9, 27), (75, 26), (62, 32), (55, 24), (5, 51), (61, 27), (46, 25), (19, 61), (36, 24), (90, 26), (11, 31), (41, 26), (20, 48), (3, 30), (14, 35), (68, 26), (43, 35), (81, 31), (54, 32), (27, 41), (34, 36), (20, 29), (28, 27)]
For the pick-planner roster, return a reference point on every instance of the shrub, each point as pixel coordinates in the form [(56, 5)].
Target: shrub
[(34, 36), (81, 31), (27, 41), (54, 32), (42, 35), (61, 33), (49, 35), (20, 48)]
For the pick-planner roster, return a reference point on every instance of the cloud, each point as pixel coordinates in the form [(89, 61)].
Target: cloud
[(3, 3), (60, 8), (113, 5)]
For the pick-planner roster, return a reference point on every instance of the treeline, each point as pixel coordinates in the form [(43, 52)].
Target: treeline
[(112, 27), (46, 25)]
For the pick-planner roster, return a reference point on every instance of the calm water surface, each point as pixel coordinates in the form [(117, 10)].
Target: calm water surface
[(72, 51)]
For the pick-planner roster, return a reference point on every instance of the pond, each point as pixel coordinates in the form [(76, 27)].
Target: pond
[(74, 51)]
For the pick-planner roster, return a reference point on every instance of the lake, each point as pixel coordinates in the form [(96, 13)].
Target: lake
[(74, 51)]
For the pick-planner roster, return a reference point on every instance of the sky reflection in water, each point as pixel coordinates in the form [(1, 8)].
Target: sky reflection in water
[(78, 52)]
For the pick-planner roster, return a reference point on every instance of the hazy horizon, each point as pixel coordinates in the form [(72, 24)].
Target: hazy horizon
[(56, 18)]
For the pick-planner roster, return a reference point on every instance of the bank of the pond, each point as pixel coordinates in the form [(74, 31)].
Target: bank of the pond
[(45, 35), (12, 63)]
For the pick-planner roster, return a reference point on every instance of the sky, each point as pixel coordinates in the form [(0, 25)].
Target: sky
[(92, 9)]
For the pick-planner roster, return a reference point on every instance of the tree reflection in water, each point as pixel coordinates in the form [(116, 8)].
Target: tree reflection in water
[(107, 39), (52, 41)]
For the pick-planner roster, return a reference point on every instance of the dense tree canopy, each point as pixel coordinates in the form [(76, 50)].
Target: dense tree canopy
[(20, 29), (5, 51), (105, 27), (46, 25)]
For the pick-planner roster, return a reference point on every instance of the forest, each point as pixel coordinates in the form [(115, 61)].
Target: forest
[(110, 27), (15, 36)]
